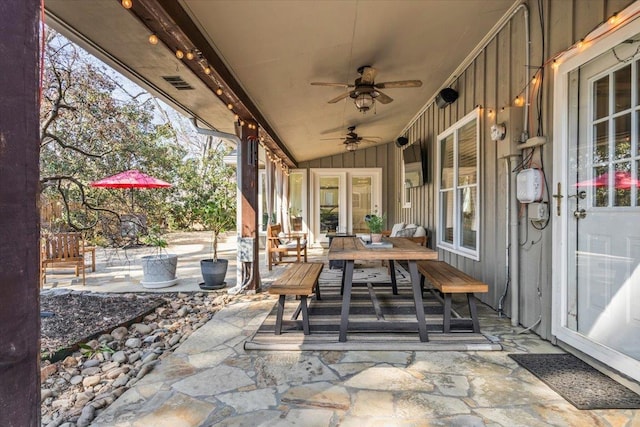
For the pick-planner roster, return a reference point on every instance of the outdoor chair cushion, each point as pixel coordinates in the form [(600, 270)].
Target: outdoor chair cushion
[(396, 227), (420, 231), (407, 232)]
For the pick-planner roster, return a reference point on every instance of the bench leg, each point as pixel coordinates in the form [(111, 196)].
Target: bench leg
[(473, 312), (422, 285), (318, 291), (296, 313), (446, 323), (305, 314), (392, 271), (278, 329)]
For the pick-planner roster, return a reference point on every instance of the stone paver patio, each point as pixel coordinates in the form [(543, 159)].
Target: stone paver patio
[(212, 380)]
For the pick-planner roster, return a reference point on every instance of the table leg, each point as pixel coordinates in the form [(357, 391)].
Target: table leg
[(347, 278), (392, 271), (417, 297)]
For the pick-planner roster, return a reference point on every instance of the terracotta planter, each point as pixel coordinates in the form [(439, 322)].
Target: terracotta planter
[(376, 238)]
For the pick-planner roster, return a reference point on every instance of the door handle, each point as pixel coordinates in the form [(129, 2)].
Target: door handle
[(580, 214), (558, 196)]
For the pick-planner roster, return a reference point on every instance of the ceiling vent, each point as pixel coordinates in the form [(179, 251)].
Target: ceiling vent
[(177, 82)]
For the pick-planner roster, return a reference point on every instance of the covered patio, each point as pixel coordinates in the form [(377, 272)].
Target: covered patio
[(424, 111)]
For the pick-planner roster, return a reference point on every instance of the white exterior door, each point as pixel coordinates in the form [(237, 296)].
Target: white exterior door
[(598, 298), (340, 197)]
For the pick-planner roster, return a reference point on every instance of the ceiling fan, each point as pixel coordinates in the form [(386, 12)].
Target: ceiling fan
[(352, 139), (365, 91)]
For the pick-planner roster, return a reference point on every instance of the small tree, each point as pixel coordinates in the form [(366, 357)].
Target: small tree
[(219, 216)]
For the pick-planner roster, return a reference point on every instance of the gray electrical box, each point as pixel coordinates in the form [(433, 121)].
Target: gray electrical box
[(245, 249), (513, 120)]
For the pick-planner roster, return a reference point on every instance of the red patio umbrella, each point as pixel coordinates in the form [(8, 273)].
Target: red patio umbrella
[(130, 179), (622, 181)]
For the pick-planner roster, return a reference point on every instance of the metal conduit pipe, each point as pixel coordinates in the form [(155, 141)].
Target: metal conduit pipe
[(514, 269), (233, 138)]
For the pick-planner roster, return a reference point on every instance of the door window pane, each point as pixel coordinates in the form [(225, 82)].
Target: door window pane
[(601, 95), (296, 181), (622, 184), (361, 189), (601, 184), (622, 137), (601, 142), (622, 89), (329, 200)]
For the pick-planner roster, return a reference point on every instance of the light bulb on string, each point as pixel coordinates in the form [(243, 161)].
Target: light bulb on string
[(580, 44), (207, 70), (612, 20), (153, 39), (179, 54), (230, 106), (127, 4), (519, 101), (236, 117), (219, 91), (190, 55)]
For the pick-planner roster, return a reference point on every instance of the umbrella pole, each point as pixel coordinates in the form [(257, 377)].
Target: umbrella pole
[(132, 211)]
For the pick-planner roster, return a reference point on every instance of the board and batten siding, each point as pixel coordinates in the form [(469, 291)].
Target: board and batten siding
[(492, 80)]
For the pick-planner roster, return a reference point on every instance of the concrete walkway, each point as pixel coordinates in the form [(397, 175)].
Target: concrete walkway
[(212, 380)]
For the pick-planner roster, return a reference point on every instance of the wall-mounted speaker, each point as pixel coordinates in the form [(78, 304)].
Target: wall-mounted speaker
[(402, 141), (446, 97)]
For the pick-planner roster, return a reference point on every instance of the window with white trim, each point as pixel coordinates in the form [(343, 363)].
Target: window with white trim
[(458, 198)]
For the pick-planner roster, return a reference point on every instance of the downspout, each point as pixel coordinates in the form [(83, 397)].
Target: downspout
[(512, 252), (514, 237), (513, 202), (233, 138)]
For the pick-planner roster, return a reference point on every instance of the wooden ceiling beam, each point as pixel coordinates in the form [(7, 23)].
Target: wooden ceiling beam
[(173, 27)]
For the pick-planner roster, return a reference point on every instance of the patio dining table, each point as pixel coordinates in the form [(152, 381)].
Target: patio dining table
[(350, 249)]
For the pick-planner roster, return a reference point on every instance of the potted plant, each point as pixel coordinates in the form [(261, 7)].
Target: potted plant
[(159, 269), (218, 216), (376, 225)]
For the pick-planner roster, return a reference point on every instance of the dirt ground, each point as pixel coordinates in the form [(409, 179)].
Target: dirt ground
[(72, 318)]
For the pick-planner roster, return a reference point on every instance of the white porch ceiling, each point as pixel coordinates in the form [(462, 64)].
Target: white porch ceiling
[(276, 48)]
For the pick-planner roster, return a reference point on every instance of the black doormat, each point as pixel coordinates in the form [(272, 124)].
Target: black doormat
[(577, 382)]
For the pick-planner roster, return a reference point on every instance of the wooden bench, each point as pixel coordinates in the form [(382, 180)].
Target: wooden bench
[(300, 280), (449, 280)]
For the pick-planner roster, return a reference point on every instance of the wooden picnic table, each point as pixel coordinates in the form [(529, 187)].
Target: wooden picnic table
[(349, 249)]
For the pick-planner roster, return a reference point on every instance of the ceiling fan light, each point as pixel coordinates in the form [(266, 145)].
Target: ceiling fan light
[(351, 146), (363, 101)]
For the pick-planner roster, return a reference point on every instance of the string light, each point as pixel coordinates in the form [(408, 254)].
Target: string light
[(580, 44), (153, 39), (534, 80), (612, 20), (519, 101), (490, 113), (230, 106), (127, 4), (236, 117), (190, 55), (207, 70), (219, 91), (554, 64), (179, 54)]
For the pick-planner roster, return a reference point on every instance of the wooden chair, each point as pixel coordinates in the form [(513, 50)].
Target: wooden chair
[(62, 248), (280, 245)]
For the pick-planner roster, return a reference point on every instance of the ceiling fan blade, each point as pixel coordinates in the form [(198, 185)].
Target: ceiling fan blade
[(331, 84), (368, 75), (332, 139), (383, 99), (339, 98), (399, 84), (370, 137), (371, 141)]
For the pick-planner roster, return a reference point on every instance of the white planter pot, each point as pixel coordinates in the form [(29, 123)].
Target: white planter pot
[(159, 271)]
